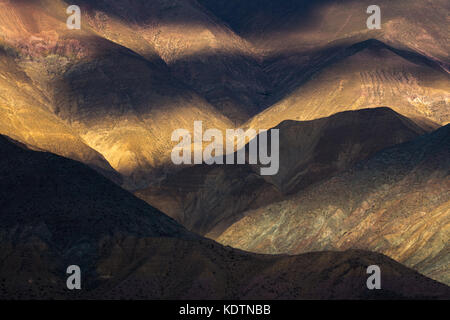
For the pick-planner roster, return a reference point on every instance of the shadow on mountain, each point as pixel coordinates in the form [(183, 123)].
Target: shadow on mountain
[(397, 203), (57, 212), (208, 198)]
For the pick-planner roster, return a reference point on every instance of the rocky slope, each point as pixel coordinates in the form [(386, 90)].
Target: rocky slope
[(200, 50), (365, 75), (207, 199), (25, 109), (395, 203), (321, 58), (112, 92), (57, 212), (118, 103), (297, 27)]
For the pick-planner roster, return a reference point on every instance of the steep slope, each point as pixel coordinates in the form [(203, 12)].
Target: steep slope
[(57, 212), (282, 44), (321, 58), (297, 26), (118, 103), (206, 199), (40, 188), (313, 150), (366, 75), (25, 111), (396, 203), (199, 49)]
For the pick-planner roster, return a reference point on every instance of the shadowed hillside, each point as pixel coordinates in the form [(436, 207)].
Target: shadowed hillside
[(207, 199), (56, 212), (396, 203)]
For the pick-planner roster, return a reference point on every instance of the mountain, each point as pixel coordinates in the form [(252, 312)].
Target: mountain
[(313, 150), (395, 203), (43, 190), (365, 75), (111, 93), (321, 58), (286, 27), (246, 56), (199, 49), (25, 115), (86, 115), (209, 198), (57, 212), (120, 104)]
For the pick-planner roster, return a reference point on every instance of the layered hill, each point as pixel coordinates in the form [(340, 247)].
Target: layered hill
[(25, 109), (111, 93), (365, 75), (57, 212), (302, 26), (122, 105), (199, 49), (244, 57), (321, 58), (395, 203), (207, 199)]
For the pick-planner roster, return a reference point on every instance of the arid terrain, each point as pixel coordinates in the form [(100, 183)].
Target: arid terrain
[(56, 211), (86, 123)]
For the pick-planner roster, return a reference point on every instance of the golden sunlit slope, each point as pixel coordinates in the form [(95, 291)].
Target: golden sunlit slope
[(199, 49), (25, 110), (279, 43), (369, 74), (396, 203), (119, 103), (139, 69), (302, 39), (127, 111)]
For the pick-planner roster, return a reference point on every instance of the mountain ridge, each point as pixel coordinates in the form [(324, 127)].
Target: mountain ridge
[(144, 254), (207, 198), (395, 202)]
